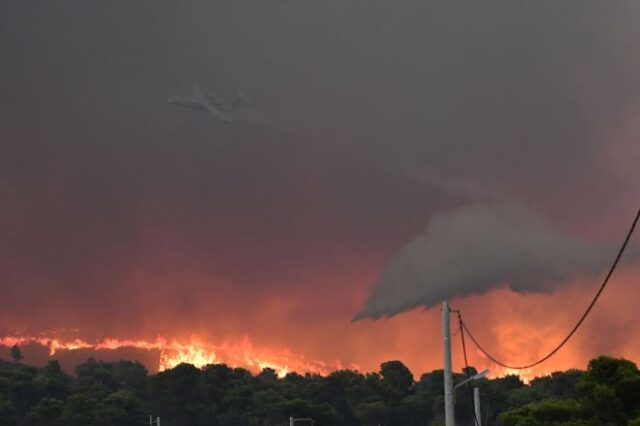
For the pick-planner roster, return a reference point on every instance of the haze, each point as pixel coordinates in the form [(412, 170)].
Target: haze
[(123, 216)]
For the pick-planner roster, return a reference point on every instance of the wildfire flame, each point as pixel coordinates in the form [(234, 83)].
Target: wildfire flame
[(193, 351), (525, 375)]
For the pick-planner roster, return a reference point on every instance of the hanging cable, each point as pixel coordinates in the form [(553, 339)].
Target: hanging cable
[(464, 346), (580, 321), (466, 367)]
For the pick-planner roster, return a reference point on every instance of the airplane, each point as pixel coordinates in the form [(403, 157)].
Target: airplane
[(210, 103)]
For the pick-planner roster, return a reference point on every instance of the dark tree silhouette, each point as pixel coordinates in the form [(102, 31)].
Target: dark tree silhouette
[(124, 394), (16, 353)]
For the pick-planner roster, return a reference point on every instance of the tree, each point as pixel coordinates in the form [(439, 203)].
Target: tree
[(48, 412), (610, 390), (81, 410), (123, 408), (16, 353), (268, 376), (8, 412), (497, 392), (122, 393), (179, 396), (52, 382), (397, 379), (559, 384), (548, 412), (372, 413), (96, 379)]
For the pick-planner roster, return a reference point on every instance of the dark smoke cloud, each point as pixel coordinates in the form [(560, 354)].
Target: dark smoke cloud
[(475, 249), (383, 115)]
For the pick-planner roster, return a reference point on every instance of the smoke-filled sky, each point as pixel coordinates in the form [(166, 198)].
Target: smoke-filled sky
[(373, 126)]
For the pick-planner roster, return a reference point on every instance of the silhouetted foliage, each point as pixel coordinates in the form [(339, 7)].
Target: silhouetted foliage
[(16, 353), (124, 394), (608, 393)]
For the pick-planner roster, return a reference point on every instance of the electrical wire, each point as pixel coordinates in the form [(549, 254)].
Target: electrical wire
[(464, 326), (466, 368)]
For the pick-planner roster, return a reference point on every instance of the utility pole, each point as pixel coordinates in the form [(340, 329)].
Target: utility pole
[(476, 405), (449, 415)]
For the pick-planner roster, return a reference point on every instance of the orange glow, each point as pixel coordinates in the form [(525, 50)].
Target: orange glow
[(515, 328), (192, 351)]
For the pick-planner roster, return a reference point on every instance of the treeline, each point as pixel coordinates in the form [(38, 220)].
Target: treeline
[(123, 393)]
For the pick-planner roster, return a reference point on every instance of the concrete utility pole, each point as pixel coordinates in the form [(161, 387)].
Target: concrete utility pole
[(476, 405), (449, 415)]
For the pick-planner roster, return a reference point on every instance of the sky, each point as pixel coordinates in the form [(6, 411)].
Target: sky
[(370, 124)]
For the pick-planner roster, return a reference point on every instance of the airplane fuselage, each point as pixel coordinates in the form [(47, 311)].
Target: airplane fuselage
[(198, 106), (187, 103)]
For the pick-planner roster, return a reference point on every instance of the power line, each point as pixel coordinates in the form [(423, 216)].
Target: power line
[(466, 366), (580, 321)]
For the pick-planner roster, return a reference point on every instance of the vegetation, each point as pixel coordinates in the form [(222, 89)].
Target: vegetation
[(123, 393)]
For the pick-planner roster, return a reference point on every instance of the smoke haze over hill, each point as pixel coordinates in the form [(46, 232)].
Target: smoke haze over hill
[(130, 218)]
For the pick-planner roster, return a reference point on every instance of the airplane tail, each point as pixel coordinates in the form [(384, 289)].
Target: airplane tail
[(239, 100)]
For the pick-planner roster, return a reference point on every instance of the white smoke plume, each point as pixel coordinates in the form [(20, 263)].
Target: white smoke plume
[(475, 249)]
